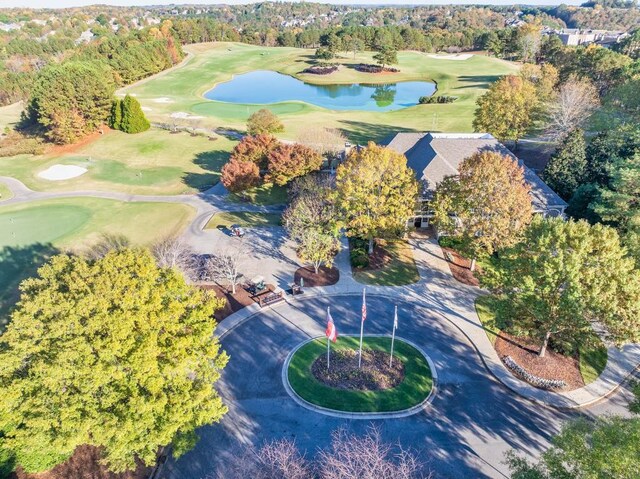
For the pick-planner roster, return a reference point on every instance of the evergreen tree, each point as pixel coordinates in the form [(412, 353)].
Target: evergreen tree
[(567, 168), (72, 99), (133, 119), (115, 120)]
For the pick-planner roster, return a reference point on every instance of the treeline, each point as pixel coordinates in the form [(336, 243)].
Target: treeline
[(130, 55)]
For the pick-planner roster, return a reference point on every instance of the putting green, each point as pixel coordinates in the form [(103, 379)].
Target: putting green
[(182, 89), (412, 391), (30, 233)]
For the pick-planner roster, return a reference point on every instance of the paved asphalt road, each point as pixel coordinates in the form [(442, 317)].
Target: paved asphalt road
[(464, 433)]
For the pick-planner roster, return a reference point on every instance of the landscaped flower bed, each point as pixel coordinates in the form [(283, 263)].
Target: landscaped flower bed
[(397, 389)]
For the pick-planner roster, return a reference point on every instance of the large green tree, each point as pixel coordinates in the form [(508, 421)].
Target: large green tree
[(563, 277), (487, 205), (376, 193), (508, 110), (113, 352), (605, 448), (311, 220), (133, 119), (567, 167), (72, 99)]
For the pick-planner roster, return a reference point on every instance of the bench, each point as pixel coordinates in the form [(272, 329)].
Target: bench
[(270, 298)]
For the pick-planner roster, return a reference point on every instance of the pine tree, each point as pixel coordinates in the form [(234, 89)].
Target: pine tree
[(567, 168), (115, 120), (133, 119)]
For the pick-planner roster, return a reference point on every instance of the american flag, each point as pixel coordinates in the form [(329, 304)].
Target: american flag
[(364, 306), (331, 331), (395, 320)]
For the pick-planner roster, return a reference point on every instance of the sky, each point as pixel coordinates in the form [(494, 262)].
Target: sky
[(80, 3)]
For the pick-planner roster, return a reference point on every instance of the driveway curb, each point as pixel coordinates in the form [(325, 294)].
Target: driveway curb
[(361, 415)]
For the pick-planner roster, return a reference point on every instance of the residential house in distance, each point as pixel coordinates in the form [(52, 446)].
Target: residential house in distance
[(433, 156), (575, 36)]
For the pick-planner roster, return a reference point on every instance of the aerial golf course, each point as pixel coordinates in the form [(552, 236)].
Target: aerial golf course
[(158, 162)]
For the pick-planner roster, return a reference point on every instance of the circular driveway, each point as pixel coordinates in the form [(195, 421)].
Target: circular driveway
[(464, 432)]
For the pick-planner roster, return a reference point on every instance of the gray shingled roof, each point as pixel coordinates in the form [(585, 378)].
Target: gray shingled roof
[(433, 156)]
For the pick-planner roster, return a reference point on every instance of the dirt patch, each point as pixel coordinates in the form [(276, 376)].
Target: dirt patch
[(460, 268), (235, 302), (325, 277), (374, 375), (552, 366), (84, 464), (58, 150)]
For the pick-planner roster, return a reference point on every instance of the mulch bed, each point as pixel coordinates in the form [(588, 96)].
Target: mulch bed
[(374, 375), (325, 277), (460, 268), (58, 150), (84, 464), (552, 366), (234, 302)]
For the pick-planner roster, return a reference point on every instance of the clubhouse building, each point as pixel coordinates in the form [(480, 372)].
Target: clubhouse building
[(434, 156)]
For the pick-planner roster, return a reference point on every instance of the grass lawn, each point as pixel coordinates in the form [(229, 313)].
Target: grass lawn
[(152, 162), (593, 359), (32, 232), (267, 194), (412, 390), (5, 192), (399, 267), (182, 90), (245, 219)]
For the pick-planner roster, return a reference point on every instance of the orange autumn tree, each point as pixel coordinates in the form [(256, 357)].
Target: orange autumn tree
[(487, 206)]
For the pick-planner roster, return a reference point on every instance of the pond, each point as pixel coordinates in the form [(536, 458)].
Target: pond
[(263, 87)]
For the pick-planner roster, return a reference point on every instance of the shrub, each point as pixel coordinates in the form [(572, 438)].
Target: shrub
[(359, 258), (368, 68), (324, 54), (437, 99), (322, 69)]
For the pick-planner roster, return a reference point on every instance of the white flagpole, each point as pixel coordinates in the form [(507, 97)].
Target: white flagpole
[(328, 342), (361, 328), (393, 334)]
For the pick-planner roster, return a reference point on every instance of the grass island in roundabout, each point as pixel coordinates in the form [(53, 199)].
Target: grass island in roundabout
[(376, 387)]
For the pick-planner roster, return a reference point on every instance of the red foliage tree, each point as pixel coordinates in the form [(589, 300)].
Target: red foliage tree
[(238, 175), (255, 149), (287, 162)]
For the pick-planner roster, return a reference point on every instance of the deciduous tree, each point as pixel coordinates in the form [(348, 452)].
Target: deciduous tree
[(488, 204), (508, 110), (287, 162), (238, 175), (563, 277), (311, 222), (376, 193), (255, 149), (572, 106), (264, 121), (115, 353), (596, 449)]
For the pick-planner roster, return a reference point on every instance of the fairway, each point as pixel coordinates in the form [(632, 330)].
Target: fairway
[(32, 232), (153, 162), (182, 89)]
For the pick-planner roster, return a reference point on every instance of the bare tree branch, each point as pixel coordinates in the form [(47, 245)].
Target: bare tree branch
[(576, 100)]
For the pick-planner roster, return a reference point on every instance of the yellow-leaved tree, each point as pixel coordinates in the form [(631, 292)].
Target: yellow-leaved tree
[(376, 193), (115, 353)]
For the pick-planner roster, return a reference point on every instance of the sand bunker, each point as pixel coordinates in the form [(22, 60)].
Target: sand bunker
[(146, 108), (457, 56), (185, 116), (62, 172), (163, 99)]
